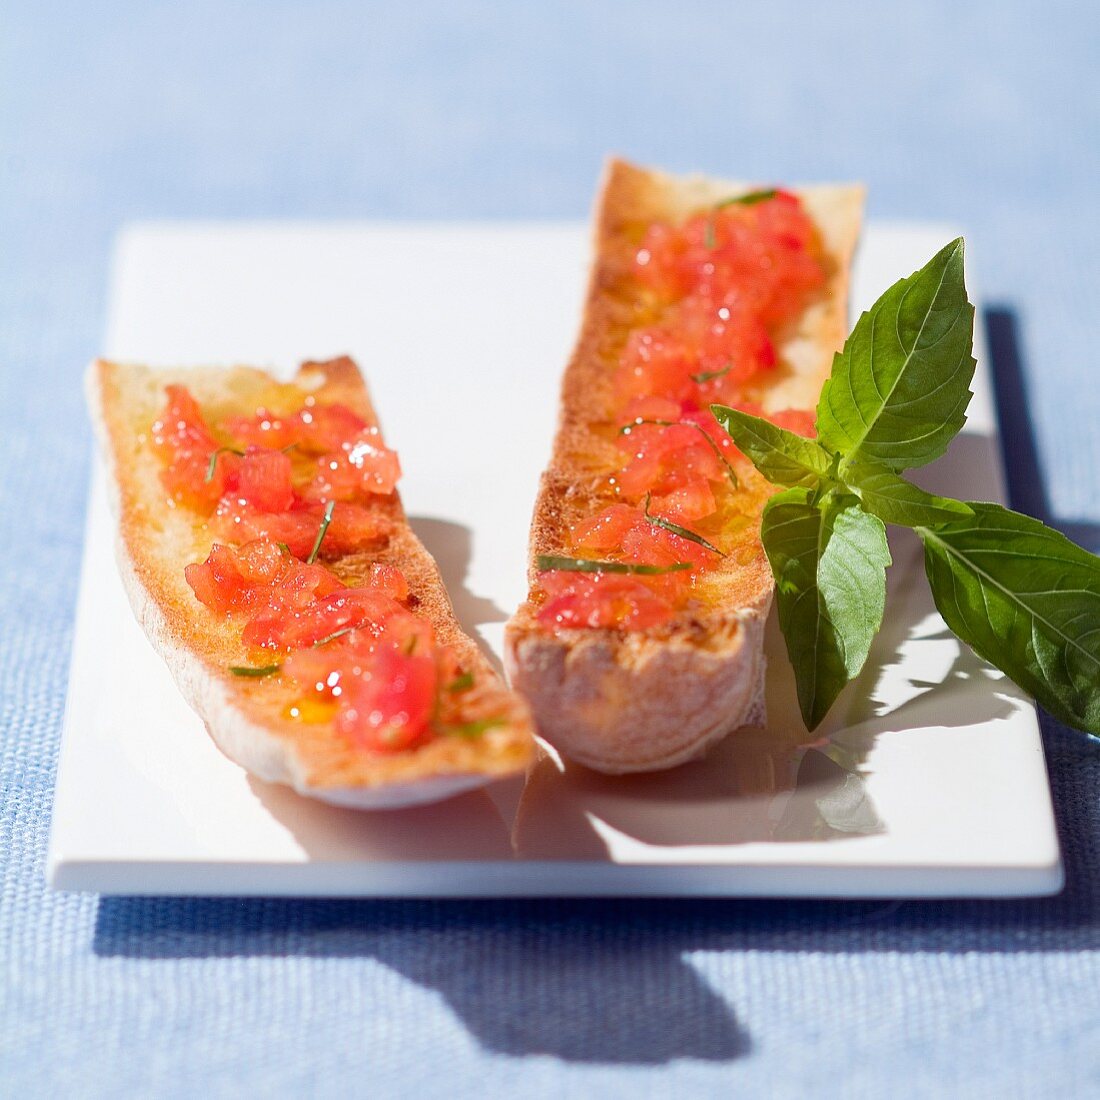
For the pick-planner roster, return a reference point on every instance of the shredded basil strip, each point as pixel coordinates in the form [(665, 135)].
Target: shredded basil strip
[(711, 375), (460, 683), (250, 673), (750, 198), (591, 565), (214, 462), (333, 636), (476, 728), (321, 532), (676, 529)]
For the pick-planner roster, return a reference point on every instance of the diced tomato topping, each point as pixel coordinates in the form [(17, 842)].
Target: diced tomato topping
[(264, 481), (288, 628), (346, 475), (663, 459), (626, 530), (353, 527), (605, 530), (360, 649), (389, 706), (353, 460), (258, 574), (692, 500), (389, 579), (600, 601), (315, 428), (724, 285), (653, 407), (186, 445), (766, 253), (324, 428)]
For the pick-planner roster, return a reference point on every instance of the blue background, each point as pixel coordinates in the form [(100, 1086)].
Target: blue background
[(985, 114)]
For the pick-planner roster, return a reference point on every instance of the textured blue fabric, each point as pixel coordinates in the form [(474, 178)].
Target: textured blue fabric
[(987, 114)]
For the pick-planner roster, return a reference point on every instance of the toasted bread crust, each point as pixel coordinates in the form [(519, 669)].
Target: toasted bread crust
[(246, 718), (641, 701)]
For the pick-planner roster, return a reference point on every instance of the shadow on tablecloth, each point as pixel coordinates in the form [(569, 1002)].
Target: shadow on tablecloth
[(612, 980)]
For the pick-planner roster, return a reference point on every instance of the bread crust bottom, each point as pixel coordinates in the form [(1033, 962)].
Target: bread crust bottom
[(621, 703)]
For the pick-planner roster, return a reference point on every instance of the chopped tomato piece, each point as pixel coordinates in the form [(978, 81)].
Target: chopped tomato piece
[(652, 407), (365, 654), (353, 459), (766, 252), (389, 706), (323, 428), (661, 459), (691, 500), (286, 628), (606, 529), (600, 601), (353, 527), (265, 429), (389, 579), (186, 445), (626, 530), (655, 362), (258, 574), (264, 481), (346, 475)]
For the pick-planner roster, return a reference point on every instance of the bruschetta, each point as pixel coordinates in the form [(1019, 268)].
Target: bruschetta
[(640, 643), (265, 551)]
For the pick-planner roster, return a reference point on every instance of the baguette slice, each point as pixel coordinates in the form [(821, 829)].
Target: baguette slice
[(641, 701), (247, 717)]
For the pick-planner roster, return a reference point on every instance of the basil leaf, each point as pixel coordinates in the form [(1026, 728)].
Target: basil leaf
[(899, 389), (829, 558), (895, 500), (782, 456), (1027, 600)]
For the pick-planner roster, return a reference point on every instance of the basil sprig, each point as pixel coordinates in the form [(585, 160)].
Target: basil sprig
[(1024, 597)]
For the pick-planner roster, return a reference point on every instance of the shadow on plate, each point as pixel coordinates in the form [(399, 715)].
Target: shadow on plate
[(467, 827), (451, 544)]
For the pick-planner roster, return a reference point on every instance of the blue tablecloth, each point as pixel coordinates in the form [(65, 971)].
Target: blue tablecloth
[(987, 114)]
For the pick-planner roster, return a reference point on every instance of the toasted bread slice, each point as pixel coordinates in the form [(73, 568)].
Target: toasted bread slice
[(248, 718), (646, 700)]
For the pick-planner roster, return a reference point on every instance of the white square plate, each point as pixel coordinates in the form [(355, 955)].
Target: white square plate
[(929, 777)]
